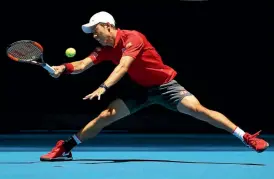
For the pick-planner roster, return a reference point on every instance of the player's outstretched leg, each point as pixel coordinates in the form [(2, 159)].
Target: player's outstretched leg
[(62, 151), (191, 106)]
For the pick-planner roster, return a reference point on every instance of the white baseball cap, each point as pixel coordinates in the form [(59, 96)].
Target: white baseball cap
[(99, 17)]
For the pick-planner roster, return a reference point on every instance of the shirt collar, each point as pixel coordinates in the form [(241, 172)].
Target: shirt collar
[(118, 37)]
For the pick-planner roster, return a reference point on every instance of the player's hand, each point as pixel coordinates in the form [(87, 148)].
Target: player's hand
[(58, 70), (97, 93)]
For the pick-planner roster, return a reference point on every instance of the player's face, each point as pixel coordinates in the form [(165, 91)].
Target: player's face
[(102, 33)]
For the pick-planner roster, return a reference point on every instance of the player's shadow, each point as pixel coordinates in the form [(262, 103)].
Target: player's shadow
[(103, 161)]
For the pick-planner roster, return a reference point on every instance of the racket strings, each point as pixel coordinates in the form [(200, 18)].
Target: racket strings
[(25, 51)]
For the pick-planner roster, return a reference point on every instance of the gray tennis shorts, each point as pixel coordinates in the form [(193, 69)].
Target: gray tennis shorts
[(167, 95)]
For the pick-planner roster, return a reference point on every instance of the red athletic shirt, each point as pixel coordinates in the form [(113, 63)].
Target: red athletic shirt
[(147, 69)]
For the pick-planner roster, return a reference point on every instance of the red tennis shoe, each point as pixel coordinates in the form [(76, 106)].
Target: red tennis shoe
[(58, 153), (256, 143)]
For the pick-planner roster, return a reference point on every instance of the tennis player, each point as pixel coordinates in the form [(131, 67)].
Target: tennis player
[(134, 55)]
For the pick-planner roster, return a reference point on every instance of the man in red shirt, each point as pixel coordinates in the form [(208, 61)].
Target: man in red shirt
[(134, 55)]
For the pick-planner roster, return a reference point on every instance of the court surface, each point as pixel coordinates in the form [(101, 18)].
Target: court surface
[(130, 156)]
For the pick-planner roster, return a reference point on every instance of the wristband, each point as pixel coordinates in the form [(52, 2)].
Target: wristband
[(69, 68), (103, 86)]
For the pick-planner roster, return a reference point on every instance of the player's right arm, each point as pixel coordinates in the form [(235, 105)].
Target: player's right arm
[(76, 67)]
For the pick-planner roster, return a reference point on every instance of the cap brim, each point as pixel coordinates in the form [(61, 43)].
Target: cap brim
[(87, 28)]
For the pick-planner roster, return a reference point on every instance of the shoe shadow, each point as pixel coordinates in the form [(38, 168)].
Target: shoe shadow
[(103, 161)]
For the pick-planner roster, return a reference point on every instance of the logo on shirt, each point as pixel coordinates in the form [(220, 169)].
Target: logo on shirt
[(128, 45), (184, 92)]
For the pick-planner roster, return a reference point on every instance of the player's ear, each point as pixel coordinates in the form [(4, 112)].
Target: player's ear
[(108, 26)]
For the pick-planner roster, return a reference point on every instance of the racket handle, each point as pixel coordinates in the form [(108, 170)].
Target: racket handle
[(48, 68)]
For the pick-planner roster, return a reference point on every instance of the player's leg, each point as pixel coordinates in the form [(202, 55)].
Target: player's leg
[(117, 109), (179, 99), (191, 106)]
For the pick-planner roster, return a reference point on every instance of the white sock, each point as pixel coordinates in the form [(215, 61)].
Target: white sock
[(78, 141), (239, 133)]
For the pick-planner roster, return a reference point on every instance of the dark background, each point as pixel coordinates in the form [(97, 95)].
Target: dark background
[(223, 55)]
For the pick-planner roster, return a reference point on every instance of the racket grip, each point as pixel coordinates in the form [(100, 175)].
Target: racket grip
[(48, 68)]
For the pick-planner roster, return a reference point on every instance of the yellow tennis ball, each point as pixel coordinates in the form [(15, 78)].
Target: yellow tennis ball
[(70, 52)]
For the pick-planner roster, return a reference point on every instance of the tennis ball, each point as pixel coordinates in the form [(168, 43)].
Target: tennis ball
[(70, 52)]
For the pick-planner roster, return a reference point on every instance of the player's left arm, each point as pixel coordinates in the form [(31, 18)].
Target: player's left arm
[(119, 71), (133, 47)]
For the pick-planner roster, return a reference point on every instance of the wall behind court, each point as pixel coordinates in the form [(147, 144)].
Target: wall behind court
[(222, 58)]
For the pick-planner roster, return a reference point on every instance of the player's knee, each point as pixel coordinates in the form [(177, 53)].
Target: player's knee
[(115, 111), (197, 109), (105, 118), (107, 113)]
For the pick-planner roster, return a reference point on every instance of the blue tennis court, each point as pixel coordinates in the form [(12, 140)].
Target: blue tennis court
[(124, 156)]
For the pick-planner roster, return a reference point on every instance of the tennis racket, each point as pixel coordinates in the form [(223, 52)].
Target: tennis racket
[(28, 51)]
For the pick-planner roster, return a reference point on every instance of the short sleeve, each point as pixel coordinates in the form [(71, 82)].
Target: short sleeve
[(134, 44), (100, 54)]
